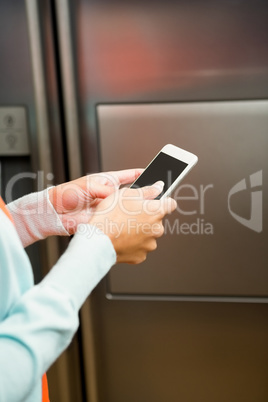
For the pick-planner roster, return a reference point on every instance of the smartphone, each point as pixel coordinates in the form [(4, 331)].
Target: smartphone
[(170, 165)]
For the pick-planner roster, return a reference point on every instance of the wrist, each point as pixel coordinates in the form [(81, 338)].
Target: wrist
[(51, 193)]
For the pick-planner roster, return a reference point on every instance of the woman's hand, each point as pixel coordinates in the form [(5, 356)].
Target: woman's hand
[(132, 218), (76, 201)]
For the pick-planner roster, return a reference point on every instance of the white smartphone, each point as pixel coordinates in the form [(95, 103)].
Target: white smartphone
[(170, 165)]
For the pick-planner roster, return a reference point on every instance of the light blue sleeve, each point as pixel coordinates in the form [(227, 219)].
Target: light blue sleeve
[(39, 324)]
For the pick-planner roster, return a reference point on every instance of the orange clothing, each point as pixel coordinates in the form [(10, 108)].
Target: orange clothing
[(45, 396), (4, 209)]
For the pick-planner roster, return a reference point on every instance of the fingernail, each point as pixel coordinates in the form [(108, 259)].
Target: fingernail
[(159, 184)]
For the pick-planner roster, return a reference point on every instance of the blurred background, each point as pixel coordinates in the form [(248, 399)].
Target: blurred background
[(89, 86)]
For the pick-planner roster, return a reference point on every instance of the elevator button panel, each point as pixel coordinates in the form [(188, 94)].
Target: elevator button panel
[(13, 131)]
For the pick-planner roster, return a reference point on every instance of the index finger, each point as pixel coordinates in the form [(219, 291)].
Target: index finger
[(126, 176)]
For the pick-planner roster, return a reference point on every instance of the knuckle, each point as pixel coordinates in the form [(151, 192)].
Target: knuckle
[(141, 258), (149, 192), (159, 230), (152, 245), (138, 258)]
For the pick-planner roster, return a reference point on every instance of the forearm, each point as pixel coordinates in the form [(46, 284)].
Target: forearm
[(35, 218), (42, 322), (86, 261)]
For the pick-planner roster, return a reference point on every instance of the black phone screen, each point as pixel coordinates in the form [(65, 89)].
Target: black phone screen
[(164, 167)]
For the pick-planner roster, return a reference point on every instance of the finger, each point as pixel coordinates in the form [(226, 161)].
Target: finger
[(158, 229), (106, 179), (151, 192), (159, 207), (145, 193), (98, 190), (151, 245), (117, 178), (168, 205), (142, 193), (126, 176)]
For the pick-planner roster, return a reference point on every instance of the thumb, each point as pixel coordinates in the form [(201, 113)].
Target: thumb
[(151, 192), (144, 193)]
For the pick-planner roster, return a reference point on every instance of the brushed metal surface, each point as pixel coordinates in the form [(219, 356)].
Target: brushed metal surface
[(174, 351), (69, 87), (205, 251), (173, 51), (40, 91)]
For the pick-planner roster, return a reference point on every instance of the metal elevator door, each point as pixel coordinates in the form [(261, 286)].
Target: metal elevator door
[(131, 54)]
